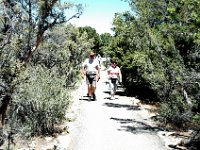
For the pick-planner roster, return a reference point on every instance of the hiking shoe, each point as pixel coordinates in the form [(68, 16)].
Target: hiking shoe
[(89, 98), (112, 98)]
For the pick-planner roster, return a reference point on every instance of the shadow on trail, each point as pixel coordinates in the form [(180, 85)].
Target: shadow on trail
[(128, 107), (136, 126), (85, 98), (119, 93)]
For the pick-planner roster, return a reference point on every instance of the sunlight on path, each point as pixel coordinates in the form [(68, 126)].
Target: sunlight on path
[(112, 124)]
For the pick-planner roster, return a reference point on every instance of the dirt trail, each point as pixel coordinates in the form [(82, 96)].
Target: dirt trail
[(106, 124)]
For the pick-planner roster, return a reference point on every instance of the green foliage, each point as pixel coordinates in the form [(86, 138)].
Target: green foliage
[(64, 48), (174, 112), (105, 40), (38, 61), (40, 102), (92, 35), (196, 119), (158, 50)]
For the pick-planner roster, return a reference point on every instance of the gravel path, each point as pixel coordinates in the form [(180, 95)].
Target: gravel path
[(106, 124)]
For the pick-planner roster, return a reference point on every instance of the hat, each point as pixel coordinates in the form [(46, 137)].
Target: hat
[(114, 61), (91, 53)]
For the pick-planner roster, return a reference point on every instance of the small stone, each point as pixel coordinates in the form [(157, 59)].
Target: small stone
[(48, 139)]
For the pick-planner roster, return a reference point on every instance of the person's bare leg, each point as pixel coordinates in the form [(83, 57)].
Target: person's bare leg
[(93, 87), (89, 90), (114, 89), (112, 94), (93, 92)]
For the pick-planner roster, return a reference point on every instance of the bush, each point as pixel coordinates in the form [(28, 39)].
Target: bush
[(196, 120), (174, 112), (40, 102)]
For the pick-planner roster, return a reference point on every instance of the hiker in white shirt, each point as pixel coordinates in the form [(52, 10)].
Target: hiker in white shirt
[(115, 76), (99, 59), (91, 69)]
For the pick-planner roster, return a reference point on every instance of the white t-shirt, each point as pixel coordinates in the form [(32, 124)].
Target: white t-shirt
[(114, 72), (98, 58), (90, 65)]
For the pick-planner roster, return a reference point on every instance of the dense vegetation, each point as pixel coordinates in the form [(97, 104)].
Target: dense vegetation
[(157, 46), (158, 49), (39, 61)]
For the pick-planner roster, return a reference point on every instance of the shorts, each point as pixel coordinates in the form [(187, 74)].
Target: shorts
[(91, 79)]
